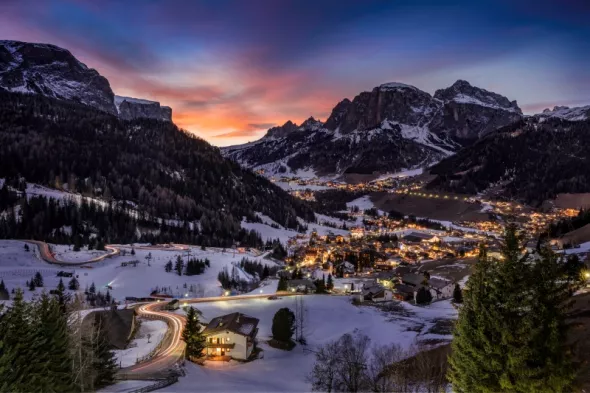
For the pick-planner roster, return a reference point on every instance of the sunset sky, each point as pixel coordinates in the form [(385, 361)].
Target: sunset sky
[(232, 69)]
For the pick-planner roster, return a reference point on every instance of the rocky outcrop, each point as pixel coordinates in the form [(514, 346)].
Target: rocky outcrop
[(470, 112), (53, 72), (392, 127), (133, 108), (281, 131)]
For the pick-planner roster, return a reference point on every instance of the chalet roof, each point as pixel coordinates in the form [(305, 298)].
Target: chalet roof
[(303, 281), (235, 322), (118, 324), (438, 283), (412, 279), (405, 289), (419, 235)]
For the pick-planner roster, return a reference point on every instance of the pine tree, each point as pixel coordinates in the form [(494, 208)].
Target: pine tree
[(4, 295), (92, 288), (132, 251), (104, 365), (31, 285), (168, 267), (511, 331), (62, 297), (51, 327), (179, 266), (73, 285), (283, 325), (282, 284), (192, 336), (423, 296), (457, 294), (38, 279), (330, 283)]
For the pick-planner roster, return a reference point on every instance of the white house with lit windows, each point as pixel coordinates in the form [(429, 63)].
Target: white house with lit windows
[(231, 336)]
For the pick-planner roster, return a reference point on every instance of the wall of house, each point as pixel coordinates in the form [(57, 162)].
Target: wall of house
[(239, 351)]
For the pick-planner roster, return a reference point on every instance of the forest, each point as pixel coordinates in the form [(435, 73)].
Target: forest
[(530, 161), (149, 166)]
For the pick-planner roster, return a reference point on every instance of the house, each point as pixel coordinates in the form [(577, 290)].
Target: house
[(301, 285), (119, 325), (412, 279), (404, 292), (231, 336), (417, 237), (440, 289), (377, 293), (172, 305)]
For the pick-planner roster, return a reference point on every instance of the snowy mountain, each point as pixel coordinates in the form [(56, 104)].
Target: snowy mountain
[(54, 72), (531, 160), (393, 127), (564, 112)]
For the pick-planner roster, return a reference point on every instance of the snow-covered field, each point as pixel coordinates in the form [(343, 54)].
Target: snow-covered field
[(18, 266), (140, 346), (328, 318)]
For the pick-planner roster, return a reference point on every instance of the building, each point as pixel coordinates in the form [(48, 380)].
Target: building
[(377, 293), (440, 289), (231, 336), (301, 285), (172, 305), (417, 237)]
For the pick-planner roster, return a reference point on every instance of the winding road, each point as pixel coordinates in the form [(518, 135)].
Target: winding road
[(48, 256)]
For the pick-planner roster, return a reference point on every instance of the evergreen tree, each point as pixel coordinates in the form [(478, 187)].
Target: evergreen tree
[(192, 336), (27, 247), (60, 285), (168, 267), (423, 296), (511, 331), (38, 280), (104, 364), (283, 325), (51, 326), (282, 284), (457, 294), (330, 283), (31, 285), (4, 295), (132, 251), (92, 288), (179, 266), (73, 285)]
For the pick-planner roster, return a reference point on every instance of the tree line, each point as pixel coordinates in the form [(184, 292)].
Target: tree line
[(147, 164), (43, 348)]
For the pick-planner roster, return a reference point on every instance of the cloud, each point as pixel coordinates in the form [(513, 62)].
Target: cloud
[(239, 134)]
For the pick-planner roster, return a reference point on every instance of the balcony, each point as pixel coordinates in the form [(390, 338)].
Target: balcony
[(221, 345)]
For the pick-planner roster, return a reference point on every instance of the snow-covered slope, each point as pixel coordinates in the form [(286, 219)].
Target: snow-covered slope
[(130, 108), (393, 127), (564, 112)]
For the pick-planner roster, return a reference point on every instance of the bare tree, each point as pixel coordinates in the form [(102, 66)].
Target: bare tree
[(379, 370), (324, 374)]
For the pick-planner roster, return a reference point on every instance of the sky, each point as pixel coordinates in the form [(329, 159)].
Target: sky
[(232, 69)]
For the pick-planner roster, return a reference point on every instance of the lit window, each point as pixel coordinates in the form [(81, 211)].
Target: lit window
[(227, 339)]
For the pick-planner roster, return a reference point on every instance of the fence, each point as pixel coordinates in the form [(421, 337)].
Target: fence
[(158, 385), (160, 344)]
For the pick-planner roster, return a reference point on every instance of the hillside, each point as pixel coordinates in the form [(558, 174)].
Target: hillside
[(530, 160), (154, 167)]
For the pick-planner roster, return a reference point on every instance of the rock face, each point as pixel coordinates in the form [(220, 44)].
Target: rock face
[(133, 108), (393, 127), (53, 72)]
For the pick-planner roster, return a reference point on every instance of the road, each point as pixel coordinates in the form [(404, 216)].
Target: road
[(48, 257)]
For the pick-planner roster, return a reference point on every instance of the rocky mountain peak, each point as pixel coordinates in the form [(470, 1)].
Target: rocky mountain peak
[(311, 124), (53, 72), (464, 93), (281, 131)]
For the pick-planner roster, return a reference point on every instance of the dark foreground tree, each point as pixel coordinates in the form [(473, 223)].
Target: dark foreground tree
[(423, 296), (457, 294), (195, 341), (283, 325), (510, 335), (105, 365)]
